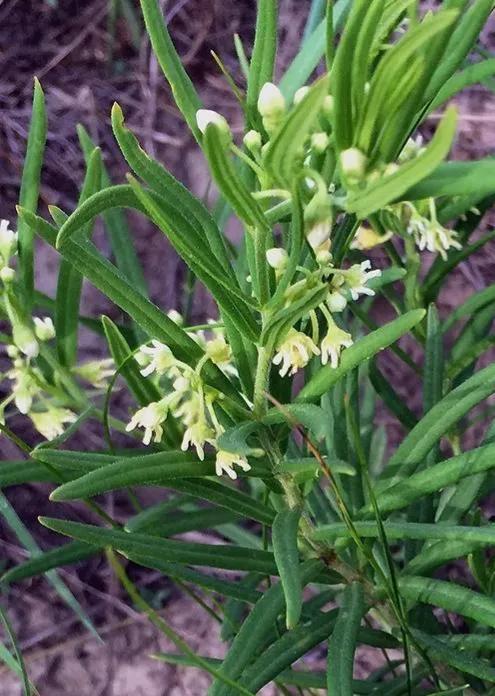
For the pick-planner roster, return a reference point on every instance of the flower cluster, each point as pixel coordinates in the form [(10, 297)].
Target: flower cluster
[(189, 400), (31, 393)]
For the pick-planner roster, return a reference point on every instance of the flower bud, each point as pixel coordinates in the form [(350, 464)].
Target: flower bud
[(8, 241), (319, 142), (7, 274), (271, 106), (252, 141), (319, 233), (277, 258), (206, 117), (336, 302), (44, 329), (353, 164), (176, 317), (323, 255), (300, 94)]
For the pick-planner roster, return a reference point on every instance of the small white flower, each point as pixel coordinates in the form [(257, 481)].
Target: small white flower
[(150, 418), (51, 423), (198, 435), (43, 328), (25, 386), (225, 462), (205, 117), (271, 102), (294, 352), (96, 372), (277, 258), (356, 278), (8, 241), (335, 340), (160, 356)]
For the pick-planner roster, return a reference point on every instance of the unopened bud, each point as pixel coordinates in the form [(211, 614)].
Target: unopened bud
[(25, 340), (252, 141), (353, 164), (174, 315), (336, 302), (277, 258), (319, 142), (300, 94), (206, 117), (319, 233), (44, 328), (7, 274), (271, 106)]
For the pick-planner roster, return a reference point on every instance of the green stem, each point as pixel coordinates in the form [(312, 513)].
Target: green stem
[(261, 381)]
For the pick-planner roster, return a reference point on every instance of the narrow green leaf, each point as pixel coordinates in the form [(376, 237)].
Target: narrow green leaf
[(183, 90), (343, 642), (360, 351), (476, 301), (153, 548), (437, 422), (67, 554), (450, 597), (30, 183), (284, 541), (258, 627), (456, 179), (472, 75), (438, 476), (461, 660), (69, 283), (409, 530), (117, 227)]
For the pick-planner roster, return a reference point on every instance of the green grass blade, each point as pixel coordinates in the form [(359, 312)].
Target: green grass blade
[(5, 621)]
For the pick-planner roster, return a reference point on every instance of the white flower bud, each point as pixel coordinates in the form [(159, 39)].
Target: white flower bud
[(300, 94), (323, 256), (25, 340), (252, 141), (44, 329), (176, 317), (353, 163), (336, 302), (319, 234), (328, 104), (205, 117), (7, 274), (277, 258), (271, 102), (319, 142), (8, 241)]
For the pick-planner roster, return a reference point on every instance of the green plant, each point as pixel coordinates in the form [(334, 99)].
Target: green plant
[(325, 173)]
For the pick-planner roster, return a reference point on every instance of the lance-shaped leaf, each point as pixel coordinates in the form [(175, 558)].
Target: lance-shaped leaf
[(183, 90), (360, 351), (55, 558), (450, 597), (258, 627), (30, 183), (437, 422), (146, 546), (284, 541), (69, 283), (343, 642), (456, 179)]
